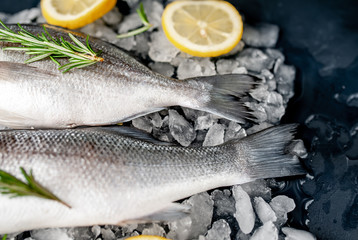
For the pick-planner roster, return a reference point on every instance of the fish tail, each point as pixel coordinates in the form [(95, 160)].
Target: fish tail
[(269, 153), (226, 94)]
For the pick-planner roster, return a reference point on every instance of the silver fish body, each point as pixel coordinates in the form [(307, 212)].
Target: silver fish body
[(109, 176), (118, 89)]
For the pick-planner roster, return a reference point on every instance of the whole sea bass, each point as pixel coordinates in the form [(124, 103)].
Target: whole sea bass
[(38, 95), (115, 175)]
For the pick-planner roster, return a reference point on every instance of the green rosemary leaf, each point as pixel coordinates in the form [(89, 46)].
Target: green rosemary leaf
[(10, 185), (142, 14), (38, 57), (143, 17), (46, 46), (55, 61)]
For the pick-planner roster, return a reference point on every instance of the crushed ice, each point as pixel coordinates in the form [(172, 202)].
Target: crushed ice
[(259, 216)]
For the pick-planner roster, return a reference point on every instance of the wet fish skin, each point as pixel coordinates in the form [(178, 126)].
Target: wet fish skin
[(120, 88), (109, 176)]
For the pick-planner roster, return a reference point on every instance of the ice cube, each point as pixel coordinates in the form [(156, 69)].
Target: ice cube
[(235, 50), (130, 22), (182, 131), (234, 131), (4, 17), (142, 46), (132, 3), (267, 74), (298, 148), (207, 67), (274, 114), (155, 119), (96, 230), (154, 11), (282, 205), (260, 93), (254, 60), (240, 70), (163, 135), (266, 232), (154, 229), (275, 54), (260, 35), (99, 29), (24, 16), (192, 114), (285, 78), (220, 230), (197, 222), (224, 203), (143, 123), (163, 68), (113, 17), (244, 214), (274, 99), (257, 188), (258, 127), (352, 100), (296, 234), (107, 234), (258, 111), (160, 49), (215, 135), (81, 233), (129, 228), (226, 66), (51, 234), (242, 236), (181, 57), (194, 67), (263, 210), (189, 68), (205, 121)]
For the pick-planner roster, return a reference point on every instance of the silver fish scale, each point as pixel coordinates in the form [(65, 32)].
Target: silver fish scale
[(135, 160)]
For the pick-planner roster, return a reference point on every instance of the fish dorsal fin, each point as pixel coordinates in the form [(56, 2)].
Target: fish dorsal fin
[(173, 212), (13, 120), (132, 133), (11, 71)]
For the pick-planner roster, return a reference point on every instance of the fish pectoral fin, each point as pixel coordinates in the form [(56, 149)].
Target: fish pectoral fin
[(13, 120), (173, 212)]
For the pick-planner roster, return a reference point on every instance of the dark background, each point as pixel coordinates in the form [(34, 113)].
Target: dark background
[(320, 38)]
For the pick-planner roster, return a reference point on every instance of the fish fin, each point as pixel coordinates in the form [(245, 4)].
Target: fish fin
[(11, 72), (173, 212), (153, 110), (13, 120), (132, 133), (226, 96), (269, 153)]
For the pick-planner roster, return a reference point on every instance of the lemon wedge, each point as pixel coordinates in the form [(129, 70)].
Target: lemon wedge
[(202, 28), (146, 237), (74, 13)]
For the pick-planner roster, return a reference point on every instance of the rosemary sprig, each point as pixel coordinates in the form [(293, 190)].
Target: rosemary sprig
[(143, 18), (10, 185), (44, 45)]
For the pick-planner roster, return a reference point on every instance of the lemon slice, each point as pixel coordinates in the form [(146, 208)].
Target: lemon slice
[(146, 237), (74, 13), (202, 28)]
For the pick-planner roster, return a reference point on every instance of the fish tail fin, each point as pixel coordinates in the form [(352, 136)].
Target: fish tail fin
[(270, 153), (225, 96)]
